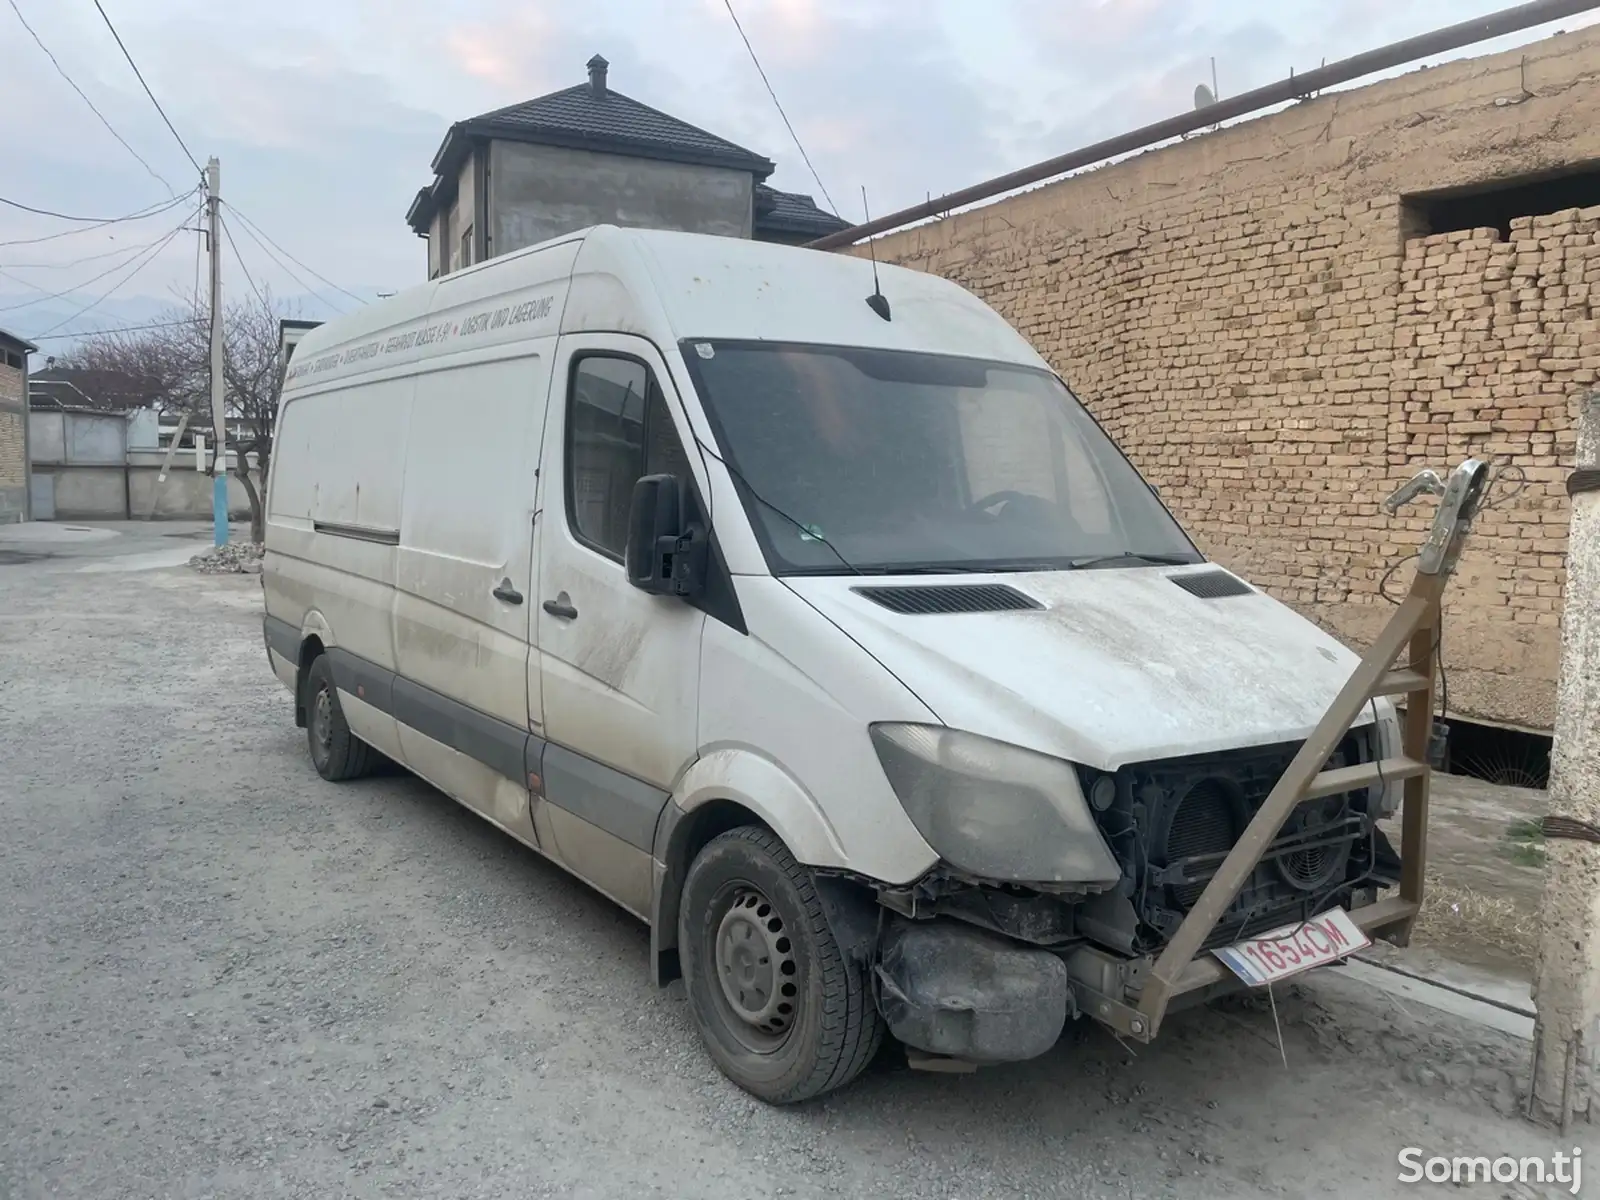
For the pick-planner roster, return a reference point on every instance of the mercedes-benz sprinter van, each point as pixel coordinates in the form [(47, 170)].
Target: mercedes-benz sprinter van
[(811, 619)]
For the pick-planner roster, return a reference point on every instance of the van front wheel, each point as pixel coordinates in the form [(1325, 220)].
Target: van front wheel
[(336, 753), (785, 1015)]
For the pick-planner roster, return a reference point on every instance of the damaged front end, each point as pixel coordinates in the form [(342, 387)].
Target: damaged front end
[(1209, 849), (981, 971)]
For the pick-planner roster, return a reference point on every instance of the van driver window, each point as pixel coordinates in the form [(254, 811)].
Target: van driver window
[(618, 428)]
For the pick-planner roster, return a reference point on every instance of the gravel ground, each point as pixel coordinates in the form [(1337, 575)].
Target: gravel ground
[(220, 976)]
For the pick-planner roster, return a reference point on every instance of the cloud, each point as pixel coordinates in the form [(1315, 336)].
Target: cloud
[(326, 113), (877, 92)]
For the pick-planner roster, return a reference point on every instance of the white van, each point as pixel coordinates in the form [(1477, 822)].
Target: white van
[(812, 621)]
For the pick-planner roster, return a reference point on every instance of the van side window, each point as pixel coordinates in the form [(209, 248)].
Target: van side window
[(618, 428)]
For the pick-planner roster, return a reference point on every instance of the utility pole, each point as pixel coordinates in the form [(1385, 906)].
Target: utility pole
[(219, 416), (1566, 987)]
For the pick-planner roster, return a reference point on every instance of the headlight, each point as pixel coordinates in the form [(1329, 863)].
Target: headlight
[(994, 810)]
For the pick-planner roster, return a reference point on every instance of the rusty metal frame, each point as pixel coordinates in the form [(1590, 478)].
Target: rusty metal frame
[(1414, 629)]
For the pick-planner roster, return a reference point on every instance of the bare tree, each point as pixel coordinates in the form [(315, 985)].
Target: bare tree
[(171, 367), (119, 371), (253, 377)]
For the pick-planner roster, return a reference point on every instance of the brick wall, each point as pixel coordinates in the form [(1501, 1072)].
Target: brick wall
[(13, 447), (1249, 314), (11, 450)]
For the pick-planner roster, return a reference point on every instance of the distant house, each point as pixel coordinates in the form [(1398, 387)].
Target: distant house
[(589, 155), (94, 387), (290, 332), (14, 353)]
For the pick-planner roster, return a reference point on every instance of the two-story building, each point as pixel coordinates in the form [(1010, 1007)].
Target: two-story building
[(589, 155)]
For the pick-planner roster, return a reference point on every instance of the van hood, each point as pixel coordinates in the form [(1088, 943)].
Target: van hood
[(1117, 666)]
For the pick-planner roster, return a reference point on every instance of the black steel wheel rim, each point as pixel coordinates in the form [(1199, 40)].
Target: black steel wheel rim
[(753, 973)]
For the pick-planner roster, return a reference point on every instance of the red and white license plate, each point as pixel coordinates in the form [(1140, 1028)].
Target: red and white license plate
[(1295, 948)]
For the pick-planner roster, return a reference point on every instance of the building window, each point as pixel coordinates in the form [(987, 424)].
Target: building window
[(13, 359), (618, 429), (466, 247), (1495, 205)]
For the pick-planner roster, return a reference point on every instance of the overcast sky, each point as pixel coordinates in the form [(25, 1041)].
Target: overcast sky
[(326, 113)]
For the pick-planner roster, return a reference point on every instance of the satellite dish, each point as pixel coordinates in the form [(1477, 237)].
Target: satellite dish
[(1203, 96)]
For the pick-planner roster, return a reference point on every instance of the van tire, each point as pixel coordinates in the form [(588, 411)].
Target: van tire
[(336, 753), (833, 1029)]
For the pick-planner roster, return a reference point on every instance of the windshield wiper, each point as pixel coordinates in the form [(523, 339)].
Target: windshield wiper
[(1128, 556)]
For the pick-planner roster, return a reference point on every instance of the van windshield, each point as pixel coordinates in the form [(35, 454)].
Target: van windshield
[(876, 461)]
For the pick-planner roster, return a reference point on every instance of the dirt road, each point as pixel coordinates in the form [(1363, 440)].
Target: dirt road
[(220, 976)]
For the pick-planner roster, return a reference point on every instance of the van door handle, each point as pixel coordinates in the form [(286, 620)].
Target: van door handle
[(507, 593), (560, 608)]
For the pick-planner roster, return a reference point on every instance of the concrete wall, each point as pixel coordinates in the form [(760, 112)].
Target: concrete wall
[(47, 433), (1258, 319), (77, 437), (465, 223), (436, 245), (89, 493), (540, 192), (81, 461), (183, 495), (13, 444)]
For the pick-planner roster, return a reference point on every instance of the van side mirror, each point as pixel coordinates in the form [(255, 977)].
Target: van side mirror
[(666, 555)]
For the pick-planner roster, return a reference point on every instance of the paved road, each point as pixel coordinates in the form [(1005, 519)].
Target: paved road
[(220, 976)]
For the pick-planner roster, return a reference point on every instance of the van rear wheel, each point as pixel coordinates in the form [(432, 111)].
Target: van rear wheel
[(785, 1015), (336, 753)]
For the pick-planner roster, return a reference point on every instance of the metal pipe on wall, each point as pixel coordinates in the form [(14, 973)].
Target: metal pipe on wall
[(1452, 37)]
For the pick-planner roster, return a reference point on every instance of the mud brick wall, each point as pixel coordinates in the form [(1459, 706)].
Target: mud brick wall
[(1263, 320), (13, 445)]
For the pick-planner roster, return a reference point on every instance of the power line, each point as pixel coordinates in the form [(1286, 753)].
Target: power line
[(47, 212), (728, 4), (50, 337), (193, 161), (145, 260), (32, 287), (78, 287), (228, 233), (61, 71), (142, 214), (288, 270), (284, 266), (199, 248), (251, 225), (76, 262)]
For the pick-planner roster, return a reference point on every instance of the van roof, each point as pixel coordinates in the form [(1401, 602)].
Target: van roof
[(665, 286)]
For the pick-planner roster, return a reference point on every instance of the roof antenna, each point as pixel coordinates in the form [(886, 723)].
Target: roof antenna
[(877, 302)]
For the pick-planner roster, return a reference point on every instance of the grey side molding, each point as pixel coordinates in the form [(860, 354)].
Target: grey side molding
[(623, 806), (496, 744)]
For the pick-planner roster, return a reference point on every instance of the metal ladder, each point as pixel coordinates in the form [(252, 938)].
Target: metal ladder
[(1413, 628)]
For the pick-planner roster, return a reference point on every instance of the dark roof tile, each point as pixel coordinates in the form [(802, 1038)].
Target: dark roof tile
[(792, 212), (610, 119)]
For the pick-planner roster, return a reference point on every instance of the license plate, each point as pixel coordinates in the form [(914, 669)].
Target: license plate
[(1294, 948)]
